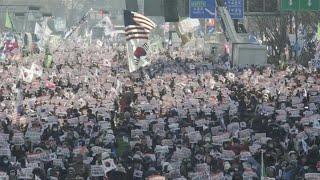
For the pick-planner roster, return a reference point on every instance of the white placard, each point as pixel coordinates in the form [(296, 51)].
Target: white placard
[(312, 176), (97, 171)]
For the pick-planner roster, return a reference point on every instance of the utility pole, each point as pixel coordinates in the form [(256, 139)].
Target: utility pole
[(283, 33)]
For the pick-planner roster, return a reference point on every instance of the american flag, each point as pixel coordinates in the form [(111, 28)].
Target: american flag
[(137, 26)]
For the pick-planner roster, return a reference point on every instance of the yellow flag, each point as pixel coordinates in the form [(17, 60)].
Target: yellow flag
[(8, 23)]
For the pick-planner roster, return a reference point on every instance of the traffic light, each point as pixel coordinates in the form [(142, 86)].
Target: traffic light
[(256, 5), (271, 6), (47, 14), (34, 8), (19, 14), (261, 5)]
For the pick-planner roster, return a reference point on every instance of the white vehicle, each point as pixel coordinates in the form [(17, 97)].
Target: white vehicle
[(241, 52)]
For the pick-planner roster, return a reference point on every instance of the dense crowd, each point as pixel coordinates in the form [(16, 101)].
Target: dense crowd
[(87, 117)]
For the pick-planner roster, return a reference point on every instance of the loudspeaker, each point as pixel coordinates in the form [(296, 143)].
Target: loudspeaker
[(132, 5), (171, 11)]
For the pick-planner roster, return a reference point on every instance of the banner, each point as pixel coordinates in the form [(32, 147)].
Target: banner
[(188, 25)]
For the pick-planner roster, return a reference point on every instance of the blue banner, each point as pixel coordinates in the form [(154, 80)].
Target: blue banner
[(202, 9), (235, 8)]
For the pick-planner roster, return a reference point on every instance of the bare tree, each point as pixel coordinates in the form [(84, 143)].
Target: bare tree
[(275, 30)]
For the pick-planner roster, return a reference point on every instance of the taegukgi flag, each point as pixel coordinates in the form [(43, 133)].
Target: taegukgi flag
[(137, 29)]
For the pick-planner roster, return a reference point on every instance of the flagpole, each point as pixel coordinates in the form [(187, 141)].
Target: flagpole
[(262, 165)]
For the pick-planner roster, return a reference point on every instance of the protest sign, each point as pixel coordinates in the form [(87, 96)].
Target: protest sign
[(97, 171), (295, 100), (312, 176), (227, 155), (156, 177), (245, 155), (167, 142), (194, 137), (99, 150), (4, 176), (136, 132), (33, 136), (38, 157), (245, 134), (63, 151), (314, 99), (105, 125), (254, 148), (5, 151), (3, 142), (312, 131), (52, 120), (174, 126), (25, 173), (4, 136), (161, 149), (58, 162), (34, 164), (137, 173), (258, 136), (201, 122), (199, 176), (109, 138), (203, 168), (282, 99), (215, 130), (73, 121), (249, 174), (220, 138), (281, 118), (17, 140)]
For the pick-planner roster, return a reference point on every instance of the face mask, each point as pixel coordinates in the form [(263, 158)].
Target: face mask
[(5, 161)]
